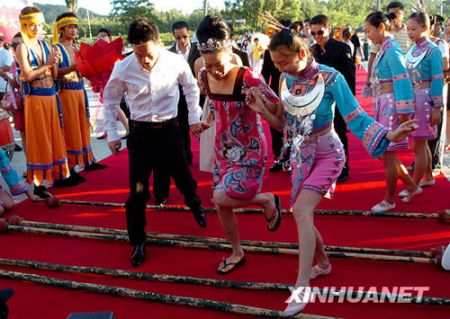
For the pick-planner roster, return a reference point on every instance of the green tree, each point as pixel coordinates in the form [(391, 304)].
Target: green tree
[(129, 10)]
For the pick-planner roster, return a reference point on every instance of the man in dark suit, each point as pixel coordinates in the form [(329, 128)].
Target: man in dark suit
[(338, 55), (184, 47)]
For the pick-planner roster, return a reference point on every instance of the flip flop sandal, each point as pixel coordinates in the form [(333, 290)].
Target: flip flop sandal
[(276, 215), (232, 264)]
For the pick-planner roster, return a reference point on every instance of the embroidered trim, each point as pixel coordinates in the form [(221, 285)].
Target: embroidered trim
[(400, 77), (373, 134), (354, 114), (438, 102)]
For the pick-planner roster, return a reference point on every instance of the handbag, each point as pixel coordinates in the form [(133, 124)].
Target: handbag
[(11, 101), (207, 156)]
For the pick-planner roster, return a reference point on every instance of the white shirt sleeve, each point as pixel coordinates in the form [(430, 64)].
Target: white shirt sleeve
[(112, 95), (191, 93), (444, 48)]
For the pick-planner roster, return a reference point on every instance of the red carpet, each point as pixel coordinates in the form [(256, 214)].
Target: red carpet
[(364, 188)]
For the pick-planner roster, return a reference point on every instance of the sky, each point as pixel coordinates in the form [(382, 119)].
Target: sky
[(104, 6)]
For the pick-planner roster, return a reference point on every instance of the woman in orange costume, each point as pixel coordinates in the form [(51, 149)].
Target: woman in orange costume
[(46, 150)]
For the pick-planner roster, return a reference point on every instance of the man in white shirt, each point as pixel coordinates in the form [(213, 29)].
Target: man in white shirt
[(151, 77), (6, 60), (183, 47)]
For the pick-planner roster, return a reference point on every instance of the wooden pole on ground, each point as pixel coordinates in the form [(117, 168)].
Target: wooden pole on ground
[(216, 246), (16, 220), (150, 296), (259, 211), (201, 281)]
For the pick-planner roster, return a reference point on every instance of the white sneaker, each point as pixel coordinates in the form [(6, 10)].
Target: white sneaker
[(426, 183), (317, 271), (408, 198), (403, 193), (293, 308), (382, 206)]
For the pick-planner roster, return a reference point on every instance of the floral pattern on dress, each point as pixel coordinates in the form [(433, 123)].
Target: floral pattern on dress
[(240, 143)]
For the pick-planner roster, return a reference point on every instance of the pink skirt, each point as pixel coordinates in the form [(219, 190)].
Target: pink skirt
[(318, 165), (384, 112), (423, 113)]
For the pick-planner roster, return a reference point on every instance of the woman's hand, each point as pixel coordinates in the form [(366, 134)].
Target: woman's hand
[(436, 116), (402, 131), (255, 100)]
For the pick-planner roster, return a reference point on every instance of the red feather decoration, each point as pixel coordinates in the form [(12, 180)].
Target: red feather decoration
[(96, 62)]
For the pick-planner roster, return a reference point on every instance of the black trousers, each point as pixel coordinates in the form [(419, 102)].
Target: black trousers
[(155, 147), (341, 129)]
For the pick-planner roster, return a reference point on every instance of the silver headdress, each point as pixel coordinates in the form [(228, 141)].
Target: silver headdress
[(213, 45)]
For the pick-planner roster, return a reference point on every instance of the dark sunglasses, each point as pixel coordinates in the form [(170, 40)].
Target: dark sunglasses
[(320, 32), (183, 36)]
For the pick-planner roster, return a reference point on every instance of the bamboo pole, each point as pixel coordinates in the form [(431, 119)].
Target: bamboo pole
[(216, 246), (150, 296), (409, 253), (200, 281), (178, 208)]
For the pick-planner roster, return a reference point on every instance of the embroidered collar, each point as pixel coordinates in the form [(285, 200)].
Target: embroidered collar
[(310, 70), (386, 42), (422, 42)]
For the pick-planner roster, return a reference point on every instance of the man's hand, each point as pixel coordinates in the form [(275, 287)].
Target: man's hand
[(114, 146), (198, 128)]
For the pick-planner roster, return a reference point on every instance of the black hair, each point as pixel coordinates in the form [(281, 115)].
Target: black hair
[(346, 34), (320, 19), (180, 25), (65, 15), (143, 30), (298, 26), (395, 5), (28, 10), (376, 18), (212, 27), (289, 42), (107, 31), (421, 18), (436, 18)]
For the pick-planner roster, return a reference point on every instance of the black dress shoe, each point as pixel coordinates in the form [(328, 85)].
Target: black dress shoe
[(41, 192), (277, 166), (161, 201), (200, 216), (138, 255), (18, 148), (95, 167), (68, 182), (77, 177)]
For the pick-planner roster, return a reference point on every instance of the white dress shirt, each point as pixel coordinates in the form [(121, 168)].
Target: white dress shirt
[(153, 95), (185, 55)]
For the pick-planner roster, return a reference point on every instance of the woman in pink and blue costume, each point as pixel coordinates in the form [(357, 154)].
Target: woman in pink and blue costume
[(394, 104), (424, 62), (309, 93)]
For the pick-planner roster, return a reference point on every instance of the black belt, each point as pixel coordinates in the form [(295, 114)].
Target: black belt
[(152, 125)]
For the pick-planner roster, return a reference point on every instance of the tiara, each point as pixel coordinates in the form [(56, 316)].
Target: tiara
[(213, 45)]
